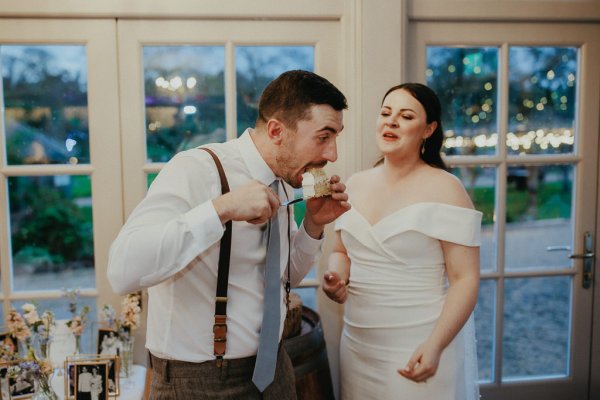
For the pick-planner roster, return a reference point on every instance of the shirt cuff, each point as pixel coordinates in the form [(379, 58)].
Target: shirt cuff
[(204, 223), (305, 243)]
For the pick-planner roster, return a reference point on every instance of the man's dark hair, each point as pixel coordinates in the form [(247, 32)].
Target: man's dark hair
[(289, 97)]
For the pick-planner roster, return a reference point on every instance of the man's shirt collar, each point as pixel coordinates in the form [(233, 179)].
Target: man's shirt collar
[(257, 166)]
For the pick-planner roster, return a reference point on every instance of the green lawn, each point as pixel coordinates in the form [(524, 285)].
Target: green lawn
[(552, 201)]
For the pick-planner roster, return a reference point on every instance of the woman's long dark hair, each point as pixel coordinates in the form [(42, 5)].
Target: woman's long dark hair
[(433, 109)]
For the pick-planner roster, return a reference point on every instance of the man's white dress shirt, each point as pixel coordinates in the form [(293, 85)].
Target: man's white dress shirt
[(170, 244), (84, 382)]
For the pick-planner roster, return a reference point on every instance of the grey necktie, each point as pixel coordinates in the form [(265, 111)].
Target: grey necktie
[(266, 358)]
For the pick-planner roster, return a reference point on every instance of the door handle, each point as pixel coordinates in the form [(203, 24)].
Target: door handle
[(583, 256), (588, 260)]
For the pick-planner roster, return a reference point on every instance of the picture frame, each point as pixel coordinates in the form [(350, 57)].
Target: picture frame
[(114, 368), (4, 384), (19, 387), (69, 372), (91, 380), (108, 342), (7, 340)]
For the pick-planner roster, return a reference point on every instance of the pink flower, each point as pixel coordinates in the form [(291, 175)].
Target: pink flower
[(17, 326), (30, 314), (76, 325), (130, 312)]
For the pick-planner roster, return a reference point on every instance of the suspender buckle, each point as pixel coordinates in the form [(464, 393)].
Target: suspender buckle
[(220, 335)]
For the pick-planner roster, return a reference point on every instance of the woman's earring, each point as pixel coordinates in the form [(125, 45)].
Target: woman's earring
[(423, 146)]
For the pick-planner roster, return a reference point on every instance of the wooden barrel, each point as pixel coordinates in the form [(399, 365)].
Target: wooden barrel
[(309, 358), (293, 318)]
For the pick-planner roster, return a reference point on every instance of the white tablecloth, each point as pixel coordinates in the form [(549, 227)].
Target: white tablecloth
[(130, 389)]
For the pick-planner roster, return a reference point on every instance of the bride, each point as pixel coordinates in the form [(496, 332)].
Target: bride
[(406, 263)]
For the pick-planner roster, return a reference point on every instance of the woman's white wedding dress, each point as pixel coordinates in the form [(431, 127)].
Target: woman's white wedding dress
[(396, 293)]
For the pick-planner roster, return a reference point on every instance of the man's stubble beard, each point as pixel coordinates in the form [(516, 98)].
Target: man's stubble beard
[(286, 165)]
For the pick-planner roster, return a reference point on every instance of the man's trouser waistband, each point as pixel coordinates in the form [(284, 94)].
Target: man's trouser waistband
[(186, 369)]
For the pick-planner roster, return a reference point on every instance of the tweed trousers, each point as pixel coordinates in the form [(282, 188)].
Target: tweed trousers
[(181, 380)]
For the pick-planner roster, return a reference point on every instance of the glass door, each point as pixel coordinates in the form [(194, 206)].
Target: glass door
[(59, 117), (521, 131), (189, 83)]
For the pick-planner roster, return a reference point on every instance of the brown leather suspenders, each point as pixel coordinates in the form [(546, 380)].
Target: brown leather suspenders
[(220, 326)]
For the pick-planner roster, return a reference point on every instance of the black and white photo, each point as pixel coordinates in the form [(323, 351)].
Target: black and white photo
[(21, 385), (4, 388), (108, 342), (91, 380)]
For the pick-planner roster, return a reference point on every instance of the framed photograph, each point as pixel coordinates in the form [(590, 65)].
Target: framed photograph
[(108, 342), (4, 386), (9, 345), (114, 368), (69, 380), (21, 385), (91, 380)]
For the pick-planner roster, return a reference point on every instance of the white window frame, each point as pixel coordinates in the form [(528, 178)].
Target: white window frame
[(98, 36), (584, 157)]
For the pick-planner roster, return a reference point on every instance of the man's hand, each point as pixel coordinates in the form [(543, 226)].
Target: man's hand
[(334, 287), (322, 210), (253, 202)]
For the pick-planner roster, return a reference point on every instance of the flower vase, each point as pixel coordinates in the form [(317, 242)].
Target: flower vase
[(45, 394), (45, 350), (126, 353), (25, 347), (44, 390), (77, 344)]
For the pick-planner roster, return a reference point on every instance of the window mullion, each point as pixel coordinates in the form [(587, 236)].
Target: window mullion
[(230, 92)]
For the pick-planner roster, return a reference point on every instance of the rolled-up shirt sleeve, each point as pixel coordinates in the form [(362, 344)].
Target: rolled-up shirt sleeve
[(174, 223)]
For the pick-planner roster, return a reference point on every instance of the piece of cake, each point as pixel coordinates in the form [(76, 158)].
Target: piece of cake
[(315, 183)]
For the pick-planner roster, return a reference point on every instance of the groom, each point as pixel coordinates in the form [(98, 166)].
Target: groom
[(171, 243)]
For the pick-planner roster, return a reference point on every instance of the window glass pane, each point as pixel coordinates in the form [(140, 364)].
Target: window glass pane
[(536, 327), (299, 212), (45, 100), (539, 206), (256, 66), (465, 79), (150, 178), (184, 97), (485, 329), (542, 100), (298, 208), (480, 183), (309, 296), (51, 232)]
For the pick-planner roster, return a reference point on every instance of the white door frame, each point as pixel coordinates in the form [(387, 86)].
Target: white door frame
[(585, 158), (99, 38)]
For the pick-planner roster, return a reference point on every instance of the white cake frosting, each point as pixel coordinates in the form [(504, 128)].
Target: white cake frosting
[(315, 183), (308, 185)]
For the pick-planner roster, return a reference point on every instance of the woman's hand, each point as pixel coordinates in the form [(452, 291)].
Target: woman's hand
[(334, 287), (423, 364)]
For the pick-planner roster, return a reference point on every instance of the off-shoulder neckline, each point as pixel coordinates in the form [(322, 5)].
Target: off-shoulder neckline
[(402, 209)]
